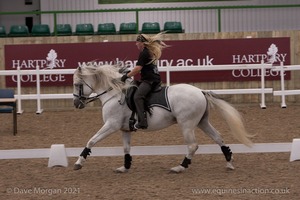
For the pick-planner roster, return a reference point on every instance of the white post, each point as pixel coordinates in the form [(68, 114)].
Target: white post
[(262, 81), (168, 75), (283, 105), (20, 111), (38, 90)]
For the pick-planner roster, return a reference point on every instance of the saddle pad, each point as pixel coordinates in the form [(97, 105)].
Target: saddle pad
[(159, 99)]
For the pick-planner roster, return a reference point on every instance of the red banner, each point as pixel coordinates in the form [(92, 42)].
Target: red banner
[(180, 53)]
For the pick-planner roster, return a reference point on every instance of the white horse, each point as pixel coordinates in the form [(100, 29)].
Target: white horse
[(189, 109)]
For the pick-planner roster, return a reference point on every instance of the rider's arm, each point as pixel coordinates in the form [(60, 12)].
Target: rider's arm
[(134, 71)]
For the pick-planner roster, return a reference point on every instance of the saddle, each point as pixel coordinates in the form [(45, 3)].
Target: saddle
[(156, 98)]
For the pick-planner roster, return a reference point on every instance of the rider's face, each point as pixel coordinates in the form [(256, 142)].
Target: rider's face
[(139, 45)]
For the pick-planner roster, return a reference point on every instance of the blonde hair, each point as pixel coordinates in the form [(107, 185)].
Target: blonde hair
[(155, 45)]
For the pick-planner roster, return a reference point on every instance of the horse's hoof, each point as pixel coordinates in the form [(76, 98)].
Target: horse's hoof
[(177, 169), (121, 170), (229, 165), (77, 167)]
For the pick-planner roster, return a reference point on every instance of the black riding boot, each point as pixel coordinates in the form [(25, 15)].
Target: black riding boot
[(139, 97), (142, 121), (142, 115)]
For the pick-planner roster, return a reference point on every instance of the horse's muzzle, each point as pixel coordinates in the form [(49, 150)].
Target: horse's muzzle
[(78, 103)]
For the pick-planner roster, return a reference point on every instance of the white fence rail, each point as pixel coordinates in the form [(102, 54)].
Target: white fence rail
[(149, 150), (38, 96), (261, 90), (284, 92)]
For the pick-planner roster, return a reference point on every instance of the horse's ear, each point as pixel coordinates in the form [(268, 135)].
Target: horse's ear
[(81, 70)]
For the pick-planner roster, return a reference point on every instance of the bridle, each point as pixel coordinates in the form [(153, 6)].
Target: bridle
[(85, 100)]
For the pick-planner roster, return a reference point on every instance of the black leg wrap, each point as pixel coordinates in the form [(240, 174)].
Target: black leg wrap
[(186, 162), (227, 153), (86, 152), (127, 161)]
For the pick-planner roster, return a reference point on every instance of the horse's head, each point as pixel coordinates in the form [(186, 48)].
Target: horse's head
[(92, 79), (82, 87)]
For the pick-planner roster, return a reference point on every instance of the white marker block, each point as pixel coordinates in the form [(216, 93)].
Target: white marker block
[(58, 156), (295, 151)]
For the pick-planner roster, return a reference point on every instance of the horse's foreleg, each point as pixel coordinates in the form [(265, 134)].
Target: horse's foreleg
[(192, 146), (100, 135), (79, 163), (127, 157), (215, 135)]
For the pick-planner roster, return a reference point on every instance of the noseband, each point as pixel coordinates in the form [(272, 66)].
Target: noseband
[(85, 100)]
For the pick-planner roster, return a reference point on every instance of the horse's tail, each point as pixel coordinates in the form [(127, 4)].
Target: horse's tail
[(232, 117)]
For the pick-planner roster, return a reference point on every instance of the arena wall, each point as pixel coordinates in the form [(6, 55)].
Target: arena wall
[(253, 98)]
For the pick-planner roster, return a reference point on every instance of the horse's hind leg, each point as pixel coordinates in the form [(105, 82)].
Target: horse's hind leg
[(127, 157), (190, 140), (206, 127)]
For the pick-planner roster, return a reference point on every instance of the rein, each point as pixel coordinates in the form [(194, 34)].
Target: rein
[(86, 100), (91, 99)]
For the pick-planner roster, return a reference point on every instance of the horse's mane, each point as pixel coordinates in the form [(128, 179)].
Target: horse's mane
[(107, 76)]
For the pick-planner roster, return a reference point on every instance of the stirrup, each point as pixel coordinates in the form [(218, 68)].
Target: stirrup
[(137, 126)]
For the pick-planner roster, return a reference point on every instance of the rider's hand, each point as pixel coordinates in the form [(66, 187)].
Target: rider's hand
[(124, 77)]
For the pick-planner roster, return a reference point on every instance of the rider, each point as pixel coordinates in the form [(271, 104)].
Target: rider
[(150, 51)]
